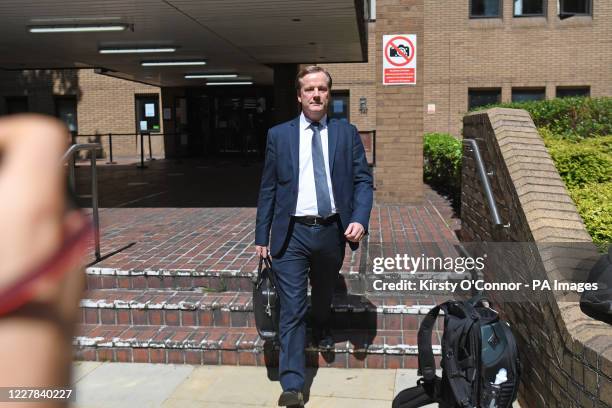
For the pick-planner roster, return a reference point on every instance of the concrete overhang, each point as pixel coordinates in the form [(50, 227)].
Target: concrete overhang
[(234, 36)]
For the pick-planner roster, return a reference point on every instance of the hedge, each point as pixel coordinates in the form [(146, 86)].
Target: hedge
[(576, 117), (586, 168), (442, 161), (581, 162)]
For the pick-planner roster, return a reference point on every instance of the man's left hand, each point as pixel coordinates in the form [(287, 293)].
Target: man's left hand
[(354, 232)]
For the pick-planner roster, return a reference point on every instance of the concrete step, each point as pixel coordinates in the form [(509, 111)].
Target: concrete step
[(235, 309), (241, 346)]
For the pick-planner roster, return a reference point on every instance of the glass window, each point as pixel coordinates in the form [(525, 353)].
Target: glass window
[(485, 8), (370, 9), (16, 104), (528, 94), (339, 105), (528, 8), (567, 91), (482, 97), (66, 111), (147, 113), (575, 7)]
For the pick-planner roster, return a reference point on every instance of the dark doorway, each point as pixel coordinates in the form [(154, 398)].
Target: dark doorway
[(66, 111), (229, 121)]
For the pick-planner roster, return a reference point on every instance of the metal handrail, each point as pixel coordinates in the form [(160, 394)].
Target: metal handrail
[(69, 157), (141, 133), (484, 178)]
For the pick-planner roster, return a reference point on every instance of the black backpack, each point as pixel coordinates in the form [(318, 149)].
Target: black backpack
[(480, 362), (265, 301), (598, 303)]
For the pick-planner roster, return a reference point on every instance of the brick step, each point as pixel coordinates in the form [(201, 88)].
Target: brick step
[(237, 281), (215, 281), (241, 346), (235, 309)]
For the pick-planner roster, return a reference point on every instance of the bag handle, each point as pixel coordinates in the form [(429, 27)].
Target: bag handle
[(427, 364), (268, 263)]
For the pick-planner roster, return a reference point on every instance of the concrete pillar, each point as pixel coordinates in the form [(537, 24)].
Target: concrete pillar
[(285, 96), (399, 122)]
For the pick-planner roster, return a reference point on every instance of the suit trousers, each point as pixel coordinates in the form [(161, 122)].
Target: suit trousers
[(316, 251)]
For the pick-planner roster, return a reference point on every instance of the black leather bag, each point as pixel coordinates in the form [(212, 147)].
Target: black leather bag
[(266, 304)]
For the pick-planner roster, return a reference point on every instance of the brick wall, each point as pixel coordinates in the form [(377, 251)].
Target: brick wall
[(360, 80), (399, 115), (566, 356), (509, 52), (104, 104), (107, 105)]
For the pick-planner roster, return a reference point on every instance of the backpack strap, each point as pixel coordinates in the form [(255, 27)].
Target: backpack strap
[(427, 364)]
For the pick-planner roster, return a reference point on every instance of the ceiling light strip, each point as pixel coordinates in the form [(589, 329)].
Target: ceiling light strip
[(77, 28), (170, 63), (210, 76), (135, 50), (230, 83)]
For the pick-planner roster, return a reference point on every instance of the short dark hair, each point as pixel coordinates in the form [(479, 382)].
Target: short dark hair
[(311, 69)]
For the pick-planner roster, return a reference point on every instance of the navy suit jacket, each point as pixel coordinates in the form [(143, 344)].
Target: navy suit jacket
[(350, 177)]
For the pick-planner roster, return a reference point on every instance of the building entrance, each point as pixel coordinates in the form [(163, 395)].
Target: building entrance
[(228, 122)]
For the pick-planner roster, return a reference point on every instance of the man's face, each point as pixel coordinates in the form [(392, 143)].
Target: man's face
[(314, 95)]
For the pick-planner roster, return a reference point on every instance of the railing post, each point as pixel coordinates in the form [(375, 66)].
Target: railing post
[(68, 158), (150, 149), (110, 148), (72, 172), (141, 165), (94, 204)]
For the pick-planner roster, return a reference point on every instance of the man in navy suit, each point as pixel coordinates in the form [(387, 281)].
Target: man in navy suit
[(315, 195)]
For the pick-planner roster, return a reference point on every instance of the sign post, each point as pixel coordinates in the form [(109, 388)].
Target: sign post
[(399, 59)]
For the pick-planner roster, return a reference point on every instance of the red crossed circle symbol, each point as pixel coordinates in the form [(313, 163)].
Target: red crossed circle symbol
[(400, 52)]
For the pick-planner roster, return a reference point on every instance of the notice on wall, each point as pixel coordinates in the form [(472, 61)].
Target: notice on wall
[(167, 114), (144, 126), (399, 59), (149, 110)]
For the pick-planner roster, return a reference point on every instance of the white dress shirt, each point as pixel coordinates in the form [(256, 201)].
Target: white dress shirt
[(307, 193)]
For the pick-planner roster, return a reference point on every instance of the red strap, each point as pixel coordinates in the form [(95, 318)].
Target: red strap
[(68, 255)]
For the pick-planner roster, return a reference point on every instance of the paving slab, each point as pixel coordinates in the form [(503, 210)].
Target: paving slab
[(81, 368), (129, 385), (118, 385), (229, 385), (353, 384)]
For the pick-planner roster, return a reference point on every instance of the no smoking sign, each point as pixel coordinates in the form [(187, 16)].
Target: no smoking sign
[(399, 59)]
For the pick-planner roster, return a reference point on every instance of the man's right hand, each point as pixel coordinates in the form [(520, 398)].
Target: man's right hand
[(261, 251)]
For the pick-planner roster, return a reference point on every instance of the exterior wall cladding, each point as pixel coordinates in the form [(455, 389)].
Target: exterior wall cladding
[(508, 52), (104, 104)]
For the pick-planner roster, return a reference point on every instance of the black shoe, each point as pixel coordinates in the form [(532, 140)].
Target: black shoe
[(291, 398), (323, 339)]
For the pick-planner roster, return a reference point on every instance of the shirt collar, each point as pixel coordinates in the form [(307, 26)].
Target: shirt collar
[(305, 122)]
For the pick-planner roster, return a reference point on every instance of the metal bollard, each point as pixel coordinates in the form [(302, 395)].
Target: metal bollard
[(141, 165), (110, 148)]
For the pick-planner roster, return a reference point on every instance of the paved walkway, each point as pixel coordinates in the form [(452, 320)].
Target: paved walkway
[(200, 216), (119, 385)]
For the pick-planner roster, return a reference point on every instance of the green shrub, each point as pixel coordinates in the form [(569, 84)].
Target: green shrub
[(569, 117), (594, 203), (581, 163), (442, 161), (586, 168)]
